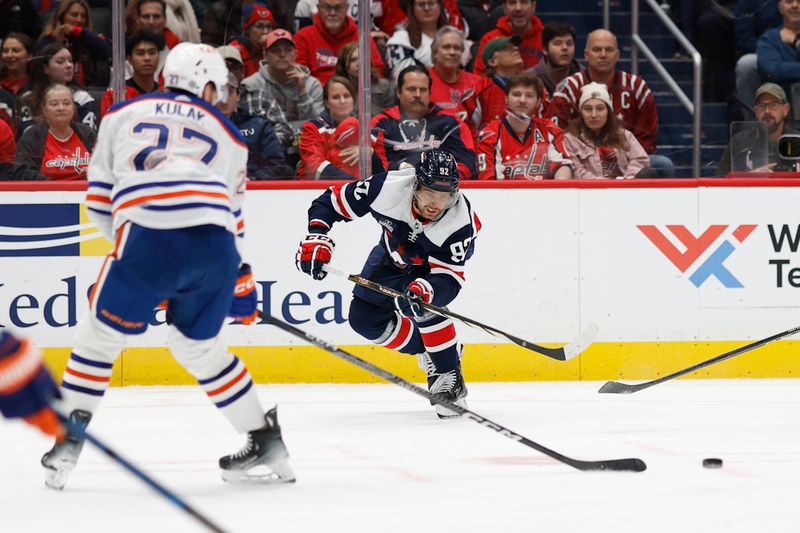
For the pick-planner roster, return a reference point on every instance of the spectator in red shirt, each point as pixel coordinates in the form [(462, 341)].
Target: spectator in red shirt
[(329, 143), (521, 146), (318, 45), (16, 52), (141, 52), (519, 20), (150, 15), (71, 25), (394, 12), (257, 22), (453, 88), (57, 147)]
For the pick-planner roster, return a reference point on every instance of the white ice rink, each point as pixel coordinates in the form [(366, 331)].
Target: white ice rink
[(374, 458)]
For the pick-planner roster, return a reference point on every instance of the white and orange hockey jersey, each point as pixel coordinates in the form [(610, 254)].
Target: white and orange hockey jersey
[(130, 180)]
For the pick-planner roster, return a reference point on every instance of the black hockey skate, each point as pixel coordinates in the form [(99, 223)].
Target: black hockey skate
[(451, 386), (264, 459), (60, 461)]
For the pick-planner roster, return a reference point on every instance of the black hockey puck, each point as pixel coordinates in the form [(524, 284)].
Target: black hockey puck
[(712, 462)]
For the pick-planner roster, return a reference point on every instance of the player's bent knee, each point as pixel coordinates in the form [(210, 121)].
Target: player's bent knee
[(201, 358), (97, 339)]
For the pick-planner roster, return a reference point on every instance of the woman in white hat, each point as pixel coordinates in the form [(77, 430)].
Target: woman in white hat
[(599, 146)]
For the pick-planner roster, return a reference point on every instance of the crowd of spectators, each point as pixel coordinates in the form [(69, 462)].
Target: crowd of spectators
[(508, 94)]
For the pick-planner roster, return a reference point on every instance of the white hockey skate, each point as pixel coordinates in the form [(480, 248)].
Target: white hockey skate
[(264, 459), (60, 461)]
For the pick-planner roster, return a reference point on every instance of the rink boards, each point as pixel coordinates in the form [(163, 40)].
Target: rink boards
[(673, 272)]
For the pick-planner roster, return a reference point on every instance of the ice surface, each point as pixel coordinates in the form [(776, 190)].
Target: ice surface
[(374, 458)]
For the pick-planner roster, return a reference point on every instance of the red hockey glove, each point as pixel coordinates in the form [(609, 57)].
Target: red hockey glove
[(244, 306), (26, 388), (314, 252), (419, 290)]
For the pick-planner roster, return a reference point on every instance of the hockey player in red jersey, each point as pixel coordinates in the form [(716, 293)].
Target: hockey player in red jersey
[(521, 146), (422, 252)]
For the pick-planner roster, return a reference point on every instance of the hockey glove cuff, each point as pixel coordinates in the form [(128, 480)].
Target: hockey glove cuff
[(244, 306)]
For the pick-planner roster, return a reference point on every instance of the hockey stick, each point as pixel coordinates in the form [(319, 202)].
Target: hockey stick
[(79, 431), (632, 465), (565, 353), (615, 387)]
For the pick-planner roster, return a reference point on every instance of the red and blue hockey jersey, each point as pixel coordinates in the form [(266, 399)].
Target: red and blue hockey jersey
[(442, 247), (502, 155)]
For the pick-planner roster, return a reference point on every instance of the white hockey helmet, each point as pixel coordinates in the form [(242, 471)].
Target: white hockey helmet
[(191, 66)]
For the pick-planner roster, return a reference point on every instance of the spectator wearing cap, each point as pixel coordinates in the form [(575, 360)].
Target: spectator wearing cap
[(318, 45), (265, 159), (257, 22), (503, 60), (411, 45), (598, 144), (233, 60), (141, 52), (151, 16), (633, 102), (282, 86), (223, 19), (519, 20), (558, 41), (773, 110)]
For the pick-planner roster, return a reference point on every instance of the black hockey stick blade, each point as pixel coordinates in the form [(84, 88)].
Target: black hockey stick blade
[(622, 465), (112, 454), (564, 353), (615, 387)]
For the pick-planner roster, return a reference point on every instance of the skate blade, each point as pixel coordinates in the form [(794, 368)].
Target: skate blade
[(445, 414), (55, 476), (260, 475)]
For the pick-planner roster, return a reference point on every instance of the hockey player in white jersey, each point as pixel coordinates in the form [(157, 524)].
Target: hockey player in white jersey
[(166, 182), (429, 231)]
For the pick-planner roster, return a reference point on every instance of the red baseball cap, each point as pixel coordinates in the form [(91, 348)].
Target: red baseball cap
[(277, 35), (255, 12)]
